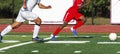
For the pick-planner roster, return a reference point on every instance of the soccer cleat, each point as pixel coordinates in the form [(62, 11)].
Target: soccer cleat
[(0, 37), (74, 31), (53, 37), (37, 39)]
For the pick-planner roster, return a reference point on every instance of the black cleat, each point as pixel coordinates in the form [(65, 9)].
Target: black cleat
[(37, 39), (0, 38)]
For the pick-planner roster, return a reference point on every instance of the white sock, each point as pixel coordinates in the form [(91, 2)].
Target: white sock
[(36, 31), (6, 30)]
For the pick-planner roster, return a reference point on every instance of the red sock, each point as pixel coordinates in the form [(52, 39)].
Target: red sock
[(57, 31), (79, 23)]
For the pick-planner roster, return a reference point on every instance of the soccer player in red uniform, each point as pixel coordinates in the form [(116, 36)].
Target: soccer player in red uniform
[(72, 13)]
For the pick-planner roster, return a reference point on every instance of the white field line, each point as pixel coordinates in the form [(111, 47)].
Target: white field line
[(108, 42), (77, 52), (10, 41), (35, 51), (18, 35), (30, 42), (20, 44), (82, 42), (108, 36), (16, 45), (118, 52), (71, 42), (21, 35)]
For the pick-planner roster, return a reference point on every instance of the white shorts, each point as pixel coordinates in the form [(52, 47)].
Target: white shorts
[(26, 15)]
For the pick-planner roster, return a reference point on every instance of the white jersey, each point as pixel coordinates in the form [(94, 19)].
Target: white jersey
[(27, 14), (31, 4)]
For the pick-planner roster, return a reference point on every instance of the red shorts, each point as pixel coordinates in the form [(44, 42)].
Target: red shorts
[(72, 14)]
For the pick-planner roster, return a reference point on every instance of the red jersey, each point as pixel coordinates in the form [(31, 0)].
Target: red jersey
[(72, 12), (77, 3)]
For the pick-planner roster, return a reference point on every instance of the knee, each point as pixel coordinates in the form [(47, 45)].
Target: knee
[(83, 19), (38, 21)]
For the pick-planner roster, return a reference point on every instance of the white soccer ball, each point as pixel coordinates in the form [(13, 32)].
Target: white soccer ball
[(112, 36)]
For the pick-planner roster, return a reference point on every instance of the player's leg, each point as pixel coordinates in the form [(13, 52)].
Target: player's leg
[(73, 29), (58, 30), (79, 22), (16, 24), (34, 18), (9, 28), (36, 30), (66, 19)]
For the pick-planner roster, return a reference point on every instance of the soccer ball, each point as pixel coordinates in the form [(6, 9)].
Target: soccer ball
[(112, 36)]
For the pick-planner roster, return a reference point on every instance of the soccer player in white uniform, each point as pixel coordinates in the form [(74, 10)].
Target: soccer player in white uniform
[(26, 13)]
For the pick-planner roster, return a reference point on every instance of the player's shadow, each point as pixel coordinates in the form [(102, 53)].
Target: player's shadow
[(43, 41), (81, 37)]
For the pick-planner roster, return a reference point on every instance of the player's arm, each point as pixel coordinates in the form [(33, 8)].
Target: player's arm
[(24, 4), (85, 3), (40, 5)]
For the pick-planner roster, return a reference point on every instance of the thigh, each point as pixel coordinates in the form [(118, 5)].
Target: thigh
[(68, 16), (20, 18), (29, 15)]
